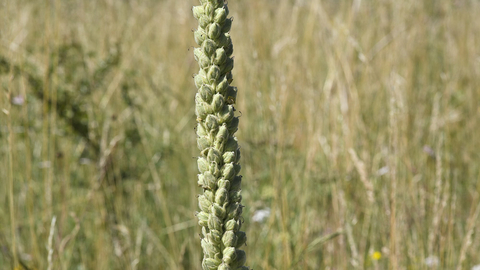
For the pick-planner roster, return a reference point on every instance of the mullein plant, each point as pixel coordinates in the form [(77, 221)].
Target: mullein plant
[(218, 163)]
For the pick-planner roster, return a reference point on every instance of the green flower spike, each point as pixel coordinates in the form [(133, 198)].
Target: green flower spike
[(220, 208)]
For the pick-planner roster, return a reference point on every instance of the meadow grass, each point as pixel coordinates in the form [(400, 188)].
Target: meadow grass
[(359, 125)]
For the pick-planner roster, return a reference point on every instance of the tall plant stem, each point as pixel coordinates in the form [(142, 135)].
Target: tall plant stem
[(218, 163)]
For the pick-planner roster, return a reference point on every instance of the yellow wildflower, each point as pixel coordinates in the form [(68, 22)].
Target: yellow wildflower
[(377, 255)]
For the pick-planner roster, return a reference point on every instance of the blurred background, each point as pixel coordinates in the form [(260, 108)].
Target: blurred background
[(359, 132)]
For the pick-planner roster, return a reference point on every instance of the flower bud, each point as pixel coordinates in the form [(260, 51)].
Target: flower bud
[(218, 211), (229, 255), (209, 47), (211, 122), (201, 58), (201, 132), (202, 219), (240, 259), (204, 204), (214, 223), (232, 144), (209, 194), (227, 66), (225, 40), (222, 183), (229, 239), (231, 225), (222, 86), (229, 50), (227, 25), (213, 74), (199, 36), (227, 114), (220, 56), (234, 210), (207, 181), (203, 21), (228, 171), (218, 102), (231, 95), (197, 11), (222, 134), (210, 263), (209, 9), (202, 143), (229, 157), (235, 196), (201, 109), (200, 79), (217, 3), (229, 77), (220, 15), (214, 169), (215, 236), (237, 168), (210, 180), (221, 196), (214, 156), (202, 164), (214, 31), (228, 44), (219, 143), (241, 239), (236, 183), (206, 93), (233, 125)]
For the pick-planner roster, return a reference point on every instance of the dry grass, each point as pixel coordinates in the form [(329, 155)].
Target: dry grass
[(359, 119)]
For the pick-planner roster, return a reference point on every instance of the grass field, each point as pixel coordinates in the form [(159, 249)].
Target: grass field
[(359, 133)]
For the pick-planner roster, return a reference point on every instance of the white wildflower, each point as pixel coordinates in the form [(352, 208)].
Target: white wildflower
[(18, 100), (261, 215), (432, 261), (382, 171)]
